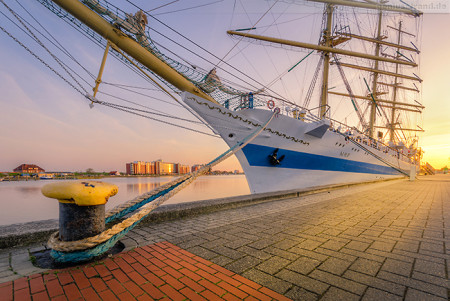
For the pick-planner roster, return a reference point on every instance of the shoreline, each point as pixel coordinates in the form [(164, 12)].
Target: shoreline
[(26, 179)]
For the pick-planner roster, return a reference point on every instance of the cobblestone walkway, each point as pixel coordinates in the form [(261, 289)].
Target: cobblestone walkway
[(384, 241), (387, 241)]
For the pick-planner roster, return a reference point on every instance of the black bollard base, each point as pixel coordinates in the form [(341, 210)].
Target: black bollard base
[(78, 222)]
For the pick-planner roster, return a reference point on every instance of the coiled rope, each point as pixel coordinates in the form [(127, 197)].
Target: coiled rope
[(91, 247)]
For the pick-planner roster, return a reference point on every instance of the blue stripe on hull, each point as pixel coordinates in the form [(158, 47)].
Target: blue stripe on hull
[(257, 155)]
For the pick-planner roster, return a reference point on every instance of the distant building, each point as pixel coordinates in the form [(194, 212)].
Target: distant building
[(28, 168), (150, 168), (155, 168), (182, 169), (164, 168), (137, 168), (196, 167), (114, 173), (140, 167), (129, 169)]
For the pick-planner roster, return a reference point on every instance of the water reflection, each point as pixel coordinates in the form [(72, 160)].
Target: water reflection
[(29, 190), (141, 188), (23, 201)]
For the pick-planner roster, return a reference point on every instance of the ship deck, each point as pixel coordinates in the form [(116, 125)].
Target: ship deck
[(387, 240)]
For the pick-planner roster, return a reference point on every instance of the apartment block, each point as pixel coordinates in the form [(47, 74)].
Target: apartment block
[(158, 167)]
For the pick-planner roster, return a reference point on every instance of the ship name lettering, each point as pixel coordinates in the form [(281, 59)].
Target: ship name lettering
[(344, 154)]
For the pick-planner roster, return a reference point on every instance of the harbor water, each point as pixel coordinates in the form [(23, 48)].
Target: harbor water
[(22, 201)]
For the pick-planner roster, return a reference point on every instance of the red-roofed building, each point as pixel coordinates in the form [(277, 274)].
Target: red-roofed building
[(28, 168)]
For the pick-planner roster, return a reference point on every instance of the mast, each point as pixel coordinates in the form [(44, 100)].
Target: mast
[(380, 71), (320, 48), (130, 46), (378, 100), (326, 62), (394, 99), (351, 35), (373, 106), (372, 5), (399, 87)]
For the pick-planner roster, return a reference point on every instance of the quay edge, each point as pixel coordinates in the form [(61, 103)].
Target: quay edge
[(26, 234)]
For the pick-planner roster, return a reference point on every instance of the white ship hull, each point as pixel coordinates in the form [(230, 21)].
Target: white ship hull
[(313, 153), (309, 161)]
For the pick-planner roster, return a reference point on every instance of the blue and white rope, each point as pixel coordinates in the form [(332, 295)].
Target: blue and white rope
[(85, 249)]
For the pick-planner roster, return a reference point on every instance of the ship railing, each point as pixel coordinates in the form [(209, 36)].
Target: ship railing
[(292, 110), (360, 137), (271, 103)]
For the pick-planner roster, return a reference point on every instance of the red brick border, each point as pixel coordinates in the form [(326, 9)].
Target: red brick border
[(153, 272)]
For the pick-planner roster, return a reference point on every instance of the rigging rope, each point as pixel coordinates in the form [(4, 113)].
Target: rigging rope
[(161, 6), (207, 51), (350, 92), (42, 61), (60, 47), (83, 91), (221, 94), (313, 83), (131, 111), (43, 46), (289, 70), (189, 8), (111, 105), (254, 25)]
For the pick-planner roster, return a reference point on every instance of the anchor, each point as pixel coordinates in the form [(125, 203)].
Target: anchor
[(273, 158)]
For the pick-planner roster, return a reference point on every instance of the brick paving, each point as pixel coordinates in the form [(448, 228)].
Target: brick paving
[(154, 272), (384, 241)]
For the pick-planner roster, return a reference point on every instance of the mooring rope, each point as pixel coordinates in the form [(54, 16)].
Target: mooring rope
[(84, 249)]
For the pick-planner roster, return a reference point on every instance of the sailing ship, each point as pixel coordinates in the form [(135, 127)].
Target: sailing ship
[(302, 146)]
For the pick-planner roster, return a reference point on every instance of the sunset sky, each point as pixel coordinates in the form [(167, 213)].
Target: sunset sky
[(45, 122)]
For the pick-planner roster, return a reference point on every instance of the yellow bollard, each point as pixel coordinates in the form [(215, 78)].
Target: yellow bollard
[(81, 207)]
